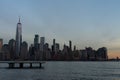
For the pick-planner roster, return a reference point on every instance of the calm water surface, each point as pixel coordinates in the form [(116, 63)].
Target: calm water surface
[(65, 71)]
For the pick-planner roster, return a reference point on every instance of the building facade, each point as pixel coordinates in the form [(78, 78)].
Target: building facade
[(1, 44), (36, 41), (18, 39)]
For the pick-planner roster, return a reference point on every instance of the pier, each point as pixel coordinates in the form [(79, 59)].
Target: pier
[(11, 64)]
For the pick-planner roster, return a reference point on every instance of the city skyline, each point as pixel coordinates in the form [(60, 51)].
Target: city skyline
[(85, 23), (40, 50)]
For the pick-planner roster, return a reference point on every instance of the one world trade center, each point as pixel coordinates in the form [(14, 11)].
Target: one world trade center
[(18, 39)]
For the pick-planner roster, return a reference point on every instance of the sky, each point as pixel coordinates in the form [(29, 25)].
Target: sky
[(87, 23)]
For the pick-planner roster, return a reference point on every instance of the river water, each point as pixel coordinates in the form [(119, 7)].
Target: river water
[(64, 71)]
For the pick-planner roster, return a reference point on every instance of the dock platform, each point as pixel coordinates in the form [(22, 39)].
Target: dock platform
[(11, 64)]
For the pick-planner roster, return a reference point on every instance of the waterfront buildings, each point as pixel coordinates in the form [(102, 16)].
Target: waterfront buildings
[(18, 50), (66, 54), (102, 54)]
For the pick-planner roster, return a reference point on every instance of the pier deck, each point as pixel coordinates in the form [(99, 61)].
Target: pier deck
[(21, 63)]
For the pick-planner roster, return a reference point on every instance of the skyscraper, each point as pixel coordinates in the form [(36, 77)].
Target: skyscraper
[(54, 45), (42, 42), (36, 41), (57, 47), (24, 51), (1, 44), (12, 48), (18, 38), (70, 45), (74, 48)]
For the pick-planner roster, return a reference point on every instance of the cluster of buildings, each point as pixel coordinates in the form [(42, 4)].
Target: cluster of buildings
[(40, 50)]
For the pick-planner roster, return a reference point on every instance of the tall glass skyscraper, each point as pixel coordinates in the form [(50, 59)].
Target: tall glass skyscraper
[(1, 44), (36, 41), (18, 38), (42, 42)]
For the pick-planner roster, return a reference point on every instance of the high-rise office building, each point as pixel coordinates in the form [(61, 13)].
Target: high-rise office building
[(6, 53), (57, 47), (18, 38), (70, 45), (42, 42), (54, 45), (74, 48), (53, 48), (1, 44), (12, 48), (36, 41), (24, 51)]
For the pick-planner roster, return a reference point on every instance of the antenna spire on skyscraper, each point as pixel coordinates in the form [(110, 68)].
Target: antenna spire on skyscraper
[(19, 19)]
